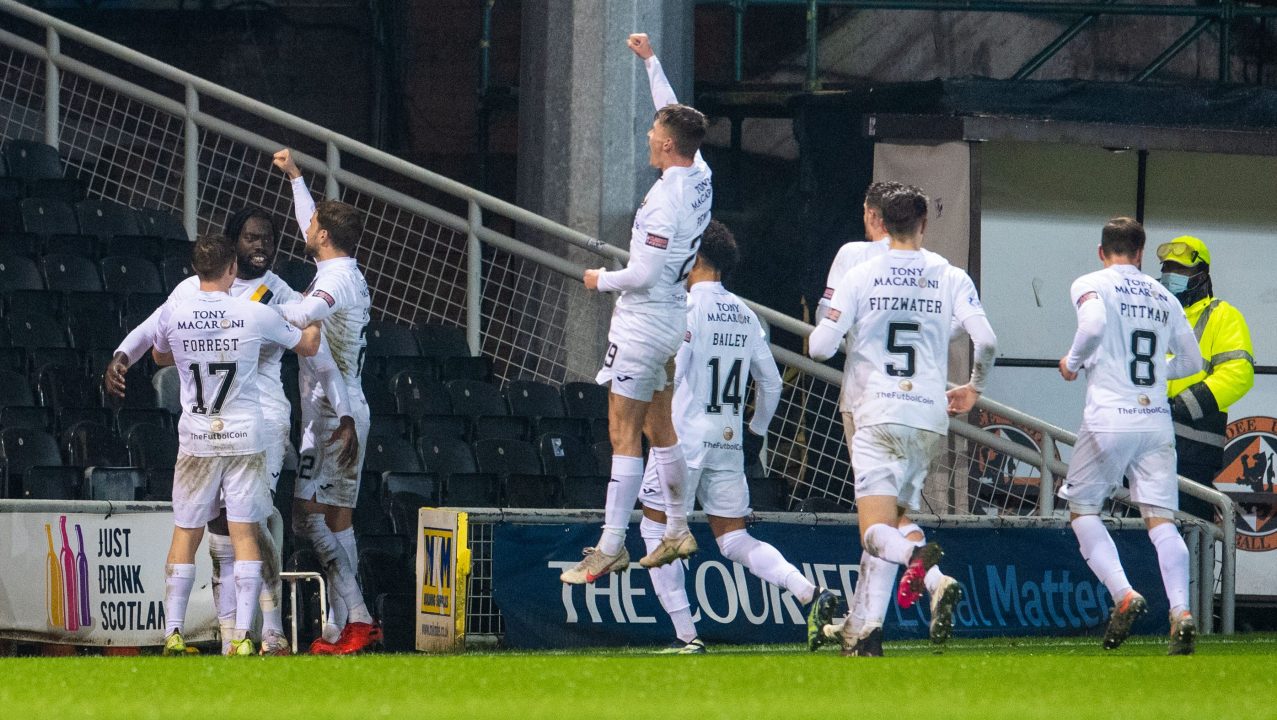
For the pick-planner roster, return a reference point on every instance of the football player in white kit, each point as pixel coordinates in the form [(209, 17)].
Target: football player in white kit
[(647, 326), (855, 252), (328, 475), (255, 241), (897, 312), (1126, 324), (724, 344), (216, 341)]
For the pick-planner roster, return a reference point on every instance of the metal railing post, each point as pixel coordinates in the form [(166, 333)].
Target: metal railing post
[(1046, 486), (191, 165), (1206, 569), (1226, 8), (813, 44), (1227, 576), (52, 88), (738, 37), (1193, 539), (474, 285), (332, 190)]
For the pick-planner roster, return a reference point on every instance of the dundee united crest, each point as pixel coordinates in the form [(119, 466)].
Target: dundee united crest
[(1248, 477), (997, 481)]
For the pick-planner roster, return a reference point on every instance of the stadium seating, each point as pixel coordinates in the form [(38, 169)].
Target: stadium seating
[(24, 449), (389, 453), (31, 160), (124, 275), (113, 483), (19, 273), (165, 225), (52, 483)]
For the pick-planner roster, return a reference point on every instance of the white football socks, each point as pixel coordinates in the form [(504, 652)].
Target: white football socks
[(765, 561), (351, 594), (248, 588), (1172, 557), (331, 557), (270, 538), (1101, 554), (671, 470), (179, 578), (885, 542), (669, 583), (622, 493), (878, 578), (222, 551)]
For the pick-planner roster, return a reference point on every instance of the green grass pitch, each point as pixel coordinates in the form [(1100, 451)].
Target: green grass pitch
[(1000, 678)]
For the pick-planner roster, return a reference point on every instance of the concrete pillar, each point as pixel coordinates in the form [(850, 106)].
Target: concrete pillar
[(584, 111)]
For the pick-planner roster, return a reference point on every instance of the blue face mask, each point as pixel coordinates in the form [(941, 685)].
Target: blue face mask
[(1176, 283)]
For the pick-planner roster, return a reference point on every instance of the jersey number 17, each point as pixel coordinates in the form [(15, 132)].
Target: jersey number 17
[(227, 373)]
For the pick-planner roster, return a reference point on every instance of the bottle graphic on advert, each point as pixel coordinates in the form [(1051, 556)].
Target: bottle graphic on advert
[(69, 574), (82, 563), (53, 582)]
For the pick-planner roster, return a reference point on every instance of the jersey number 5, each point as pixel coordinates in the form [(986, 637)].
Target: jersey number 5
[(896, 346), (227, 371)]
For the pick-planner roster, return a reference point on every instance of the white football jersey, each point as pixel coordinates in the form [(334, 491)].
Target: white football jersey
[(340, 284), (216, 341), (898, 311), (724, 341), (669, 222), (849, 256), (1126, 375), (270, 289)]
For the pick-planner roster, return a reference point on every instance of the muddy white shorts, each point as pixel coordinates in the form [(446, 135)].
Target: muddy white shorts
[(201, 484), (893, 460)]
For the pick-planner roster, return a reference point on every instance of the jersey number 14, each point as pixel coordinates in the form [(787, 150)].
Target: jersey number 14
[(725, 393)]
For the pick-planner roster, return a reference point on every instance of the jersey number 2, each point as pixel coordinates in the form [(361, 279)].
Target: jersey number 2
[(227, 371)]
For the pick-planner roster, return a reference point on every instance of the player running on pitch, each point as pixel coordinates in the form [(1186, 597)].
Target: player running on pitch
[(1126, 324), (723, 346), (216, 341), (897, 312), (647, 326)]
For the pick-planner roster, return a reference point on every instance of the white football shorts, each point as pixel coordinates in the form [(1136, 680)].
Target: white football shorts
[(891, 459), (722, 493), (319, 476), (1101, 459), (639, 346), (202, 484)]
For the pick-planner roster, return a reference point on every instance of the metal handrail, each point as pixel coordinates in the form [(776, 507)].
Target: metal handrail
[(476, 232)]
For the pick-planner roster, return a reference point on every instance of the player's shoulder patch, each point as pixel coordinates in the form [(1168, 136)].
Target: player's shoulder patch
[(657, 241), (1088, 295), (322, 295), (829, 293), (834, 314), (687, 336), (263, 294)]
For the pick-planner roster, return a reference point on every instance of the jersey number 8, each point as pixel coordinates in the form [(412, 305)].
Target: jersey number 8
[(1143, 347)]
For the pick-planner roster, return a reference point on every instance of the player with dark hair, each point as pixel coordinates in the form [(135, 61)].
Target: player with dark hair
[(855, 252), (724, 345), (1126, 325), (216, 341), (647, 326), (897, 312)]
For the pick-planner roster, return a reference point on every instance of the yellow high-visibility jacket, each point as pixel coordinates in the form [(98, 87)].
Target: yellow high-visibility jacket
[(1200, 402)]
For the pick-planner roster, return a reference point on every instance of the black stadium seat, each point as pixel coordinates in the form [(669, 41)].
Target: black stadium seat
[(65, 387), (19, 273), (453, 427), (119, 484), (89, 443), (442, 341), (23, 449), (173, 270), (390, 454), (567, 456), (130, 275), (162, 224), (105, 219), (585, 400), (416, 396), (40, 302), (71, 273), (473, 398), (14, 390), (152, 447), (33, 330), (51, 483), (31, 160), (386, 339), (45, 216), (488, 427), (507, 457), (531, 399)]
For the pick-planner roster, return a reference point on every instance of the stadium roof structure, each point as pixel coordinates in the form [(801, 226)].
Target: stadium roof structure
[(1231, 119)]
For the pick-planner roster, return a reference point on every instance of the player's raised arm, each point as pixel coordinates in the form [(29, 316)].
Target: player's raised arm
[(303, 203), (662, 91)]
